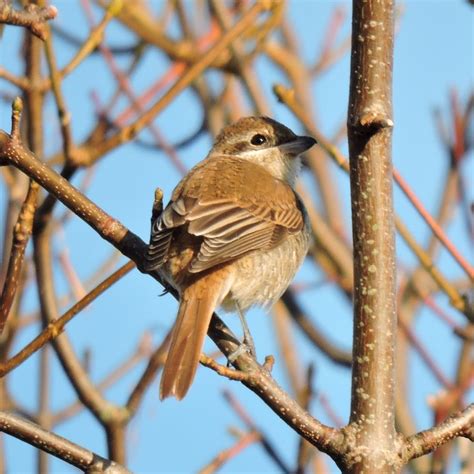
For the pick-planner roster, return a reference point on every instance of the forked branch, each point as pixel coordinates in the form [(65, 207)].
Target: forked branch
[(32, 17)]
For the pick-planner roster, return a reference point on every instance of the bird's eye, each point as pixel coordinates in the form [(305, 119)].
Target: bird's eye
[(258, 139)]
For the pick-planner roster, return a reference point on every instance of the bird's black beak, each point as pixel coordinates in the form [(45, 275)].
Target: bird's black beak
[(298, 145)]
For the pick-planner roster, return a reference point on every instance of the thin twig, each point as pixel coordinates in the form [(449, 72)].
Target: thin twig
[(22, 229), (434, 226), (229, 453), (126, 87), (129, 132), (64, 116), (271, 451), (156, 361), (55, 328), (143, 349), (21, 235), (327, 347)]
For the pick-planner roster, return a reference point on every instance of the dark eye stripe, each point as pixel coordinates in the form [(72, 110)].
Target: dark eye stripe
[(240, 146)]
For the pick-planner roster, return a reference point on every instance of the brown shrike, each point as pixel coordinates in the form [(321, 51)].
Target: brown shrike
[(233, 235)]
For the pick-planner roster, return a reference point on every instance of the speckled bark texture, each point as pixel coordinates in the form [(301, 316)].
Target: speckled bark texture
[(371, 435)]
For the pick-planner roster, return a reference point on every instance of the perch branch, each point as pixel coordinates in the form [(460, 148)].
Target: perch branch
[(324, 437)]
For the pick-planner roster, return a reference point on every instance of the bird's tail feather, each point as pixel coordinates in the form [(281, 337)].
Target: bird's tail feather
[(197, 303)]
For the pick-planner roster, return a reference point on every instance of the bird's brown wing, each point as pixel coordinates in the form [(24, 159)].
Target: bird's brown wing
[(230, 225), (230, 231)]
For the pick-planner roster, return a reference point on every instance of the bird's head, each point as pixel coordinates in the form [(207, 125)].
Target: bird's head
[(265, 142)]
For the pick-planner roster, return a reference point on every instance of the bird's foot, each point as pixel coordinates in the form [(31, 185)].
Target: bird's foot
[(243, 348)]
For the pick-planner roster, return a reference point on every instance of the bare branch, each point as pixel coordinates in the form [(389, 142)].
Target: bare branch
[(130, 131), (372, 421), (55, 328), (156, 361), (57, 445), (32, 17), (21, 235), (269, 448), (258, 379), (227, 454), (458, 424), (335, 353), (434, 226)]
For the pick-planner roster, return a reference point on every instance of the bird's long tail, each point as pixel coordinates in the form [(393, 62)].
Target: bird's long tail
[(197, 303)]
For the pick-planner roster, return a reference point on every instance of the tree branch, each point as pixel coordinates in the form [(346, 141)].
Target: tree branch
[(21, 232), (372, 437), (195, 70), (329, 348), (32, 17), (54, 329), (458, 424), (57, 445)]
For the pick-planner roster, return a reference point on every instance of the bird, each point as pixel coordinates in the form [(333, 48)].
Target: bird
[(233, 235)]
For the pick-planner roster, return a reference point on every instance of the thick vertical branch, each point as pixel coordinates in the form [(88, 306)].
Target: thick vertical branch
[(372, 428)]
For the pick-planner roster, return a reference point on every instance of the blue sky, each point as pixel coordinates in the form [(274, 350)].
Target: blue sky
[(433, 53)]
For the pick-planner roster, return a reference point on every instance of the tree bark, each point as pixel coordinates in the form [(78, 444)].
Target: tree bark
[(371, 432)]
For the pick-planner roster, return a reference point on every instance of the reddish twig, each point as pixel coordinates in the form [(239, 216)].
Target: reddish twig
[(425, 355), (438, 311), (243, 442), (173, 73), (252, 427), (437, 230), (329, 52), (73, 279), (125, 86)]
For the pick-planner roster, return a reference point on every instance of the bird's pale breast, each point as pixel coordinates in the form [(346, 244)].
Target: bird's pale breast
[(261, 277)]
